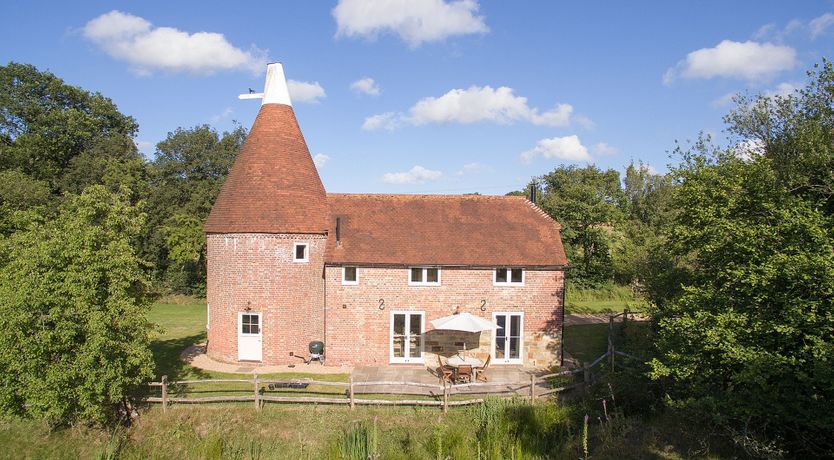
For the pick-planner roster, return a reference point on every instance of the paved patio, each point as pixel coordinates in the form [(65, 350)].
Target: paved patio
[(504, 377)]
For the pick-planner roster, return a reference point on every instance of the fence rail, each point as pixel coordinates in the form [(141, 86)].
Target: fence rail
[(441, 398)]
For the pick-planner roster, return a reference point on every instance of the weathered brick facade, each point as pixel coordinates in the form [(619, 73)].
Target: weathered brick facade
[(273, 198)]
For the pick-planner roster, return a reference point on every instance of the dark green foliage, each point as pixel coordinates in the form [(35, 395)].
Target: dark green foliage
[(749, 339), (73, 333), (185, 178)]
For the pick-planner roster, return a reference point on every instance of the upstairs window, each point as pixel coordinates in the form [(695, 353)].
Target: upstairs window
[(300, 252), (509, 277), (424, 276), (350, 276)]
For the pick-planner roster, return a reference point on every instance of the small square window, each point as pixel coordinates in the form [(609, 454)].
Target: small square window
[(350, 275), (416, 275), (500, 275), (509, 277), (300, 253), (424, 276)]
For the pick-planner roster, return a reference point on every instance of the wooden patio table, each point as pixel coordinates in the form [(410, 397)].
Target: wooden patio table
[(458, 360)]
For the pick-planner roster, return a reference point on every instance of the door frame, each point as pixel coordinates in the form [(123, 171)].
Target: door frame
[(259, 335), (407, 360), (520, 359)]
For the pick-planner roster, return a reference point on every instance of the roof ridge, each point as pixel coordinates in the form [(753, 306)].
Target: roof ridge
[(542, 212), (425, 195)]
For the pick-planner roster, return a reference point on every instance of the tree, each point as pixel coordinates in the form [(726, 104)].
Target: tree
[(748, 341), (45, 123), (186, 176), (74, 338), (586, 202)]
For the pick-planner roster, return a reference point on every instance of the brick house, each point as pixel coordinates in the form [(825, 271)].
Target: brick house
[(289, 263)]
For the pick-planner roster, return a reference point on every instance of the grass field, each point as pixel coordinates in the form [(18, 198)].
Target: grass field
[(607, 299)]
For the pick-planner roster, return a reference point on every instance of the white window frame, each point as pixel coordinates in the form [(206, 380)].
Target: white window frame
[(509, 281), (306, 252), (425, 277), (410, 360), (508, 361), (347, 282)]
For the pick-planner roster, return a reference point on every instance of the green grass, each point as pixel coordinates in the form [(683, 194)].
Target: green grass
[(606, 299), (586, 342)]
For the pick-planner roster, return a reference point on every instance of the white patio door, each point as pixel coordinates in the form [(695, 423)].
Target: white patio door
[(508, 338), (407, 329), (249, 337)]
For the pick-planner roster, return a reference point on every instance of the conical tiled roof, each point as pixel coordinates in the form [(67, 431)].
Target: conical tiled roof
[(274, 186)]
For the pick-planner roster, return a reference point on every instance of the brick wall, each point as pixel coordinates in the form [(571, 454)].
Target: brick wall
[(357, 331), (257, 271)]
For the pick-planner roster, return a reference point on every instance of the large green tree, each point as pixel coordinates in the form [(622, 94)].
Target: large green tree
[(586, 202), (74, 338), (185, 178), (46, 125)]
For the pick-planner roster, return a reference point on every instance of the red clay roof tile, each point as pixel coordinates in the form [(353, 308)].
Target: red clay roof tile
[(461, 230), (274, 186)]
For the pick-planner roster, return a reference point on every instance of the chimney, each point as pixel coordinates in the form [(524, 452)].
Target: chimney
[(338, 231), (275, 88), (533, 192)]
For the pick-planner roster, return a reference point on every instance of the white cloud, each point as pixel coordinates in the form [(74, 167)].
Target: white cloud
[(367, 86), (416, 175), (477, 104), (723, 101), (387, 120), (602, 148), (415, 21), (749, 148), (320, 159), (471, 168), (567, 148), (148, 49), (304, 91), (783, 90), (819, 25), (749, 60), (226, 113)]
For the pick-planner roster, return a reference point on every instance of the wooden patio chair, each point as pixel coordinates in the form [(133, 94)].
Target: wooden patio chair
[(445, 372), (464, 374), (481, 376)]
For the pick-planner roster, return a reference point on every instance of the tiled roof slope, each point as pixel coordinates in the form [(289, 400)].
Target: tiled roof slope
[(459, 230), (274, 186)]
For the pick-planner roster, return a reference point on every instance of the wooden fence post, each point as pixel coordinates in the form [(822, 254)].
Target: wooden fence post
[(625, 316), (586, 376), (164, 393), (611, 342), (350, 393), (532, 388), (445, 398), (257, 394)]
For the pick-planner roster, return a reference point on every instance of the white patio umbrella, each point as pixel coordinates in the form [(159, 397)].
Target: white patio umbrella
[(465, 322)]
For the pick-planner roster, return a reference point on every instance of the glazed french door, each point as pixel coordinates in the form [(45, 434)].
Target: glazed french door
[(508, 338), (407, 329)]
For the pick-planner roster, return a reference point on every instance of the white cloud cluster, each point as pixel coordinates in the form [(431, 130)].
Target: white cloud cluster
[(819, 25), (320, 159), (567, 148), (602, 148), (303, 91), (751, 61), (416, 175), (477, 104), (367, 86), (414, 21), (148, 49)]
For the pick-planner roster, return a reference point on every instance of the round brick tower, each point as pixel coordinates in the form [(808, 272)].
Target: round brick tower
[(266, 236)]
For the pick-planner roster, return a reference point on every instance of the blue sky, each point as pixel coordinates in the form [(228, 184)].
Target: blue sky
[(465, 96)]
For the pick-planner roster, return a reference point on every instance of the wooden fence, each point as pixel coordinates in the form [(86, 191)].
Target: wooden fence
[(440, 392)]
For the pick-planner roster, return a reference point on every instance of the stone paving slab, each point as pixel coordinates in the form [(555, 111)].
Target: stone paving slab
[(196, 356)]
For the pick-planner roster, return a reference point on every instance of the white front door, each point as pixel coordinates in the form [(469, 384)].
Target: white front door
[(407, 336), (508, 338), (249, 341)]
